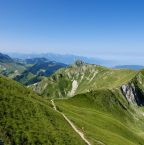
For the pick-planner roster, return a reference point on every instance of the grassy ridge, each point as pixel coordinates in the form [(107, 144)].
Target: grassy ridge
[(88, 77), (104, 115), (27, 119), (99, 108)]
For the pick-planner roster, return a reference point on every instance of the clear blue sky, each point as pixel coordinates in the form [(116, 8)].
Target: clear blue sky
[(110, 29)]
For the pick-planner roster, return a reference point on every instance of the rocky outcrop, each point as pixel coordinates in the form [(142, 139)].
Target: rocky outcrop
[(132, 94), (74, 88), (129, 93)]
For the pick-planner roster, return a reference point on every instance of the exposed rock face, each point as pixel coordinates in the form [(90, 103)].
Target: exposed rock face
[(132, 94), (129, 93), (74, 88)]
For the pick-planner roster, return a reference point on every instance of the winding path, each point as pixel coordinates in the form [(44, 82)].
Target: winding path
[(71, 124)]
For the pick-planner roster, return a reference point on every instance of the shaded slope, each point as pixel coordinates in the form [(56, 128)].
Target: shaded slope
[(134, 89), (10, 67), (27, 119), (40, 68), (5, 58)]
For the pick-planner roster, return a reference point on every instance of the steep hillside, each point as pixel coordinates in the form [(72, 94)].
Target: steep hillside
[(40, 68), (80, 78), (105, 116), (27, 119)]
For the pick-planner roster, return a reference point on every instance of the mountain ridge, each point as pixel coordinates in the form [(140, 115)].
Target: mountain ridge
[(133, 67), (80, 78), (64, 58)]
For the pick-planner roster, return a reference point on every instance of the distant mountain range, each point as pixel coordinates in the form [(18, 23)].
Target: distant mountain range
[(66, 59), (70, 59), (133, 67), (28, 71)]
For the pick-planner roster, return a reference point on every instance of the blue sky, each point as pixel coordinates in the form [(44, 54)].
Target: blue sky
[(109, 29)]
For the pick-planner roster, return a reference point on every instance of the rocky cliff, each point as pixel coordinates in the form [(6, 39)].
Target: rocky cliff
[(134, 90)]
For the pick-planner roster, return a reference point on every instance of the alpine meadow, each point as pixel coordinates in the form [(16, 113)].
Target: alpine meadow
[(71, 72)]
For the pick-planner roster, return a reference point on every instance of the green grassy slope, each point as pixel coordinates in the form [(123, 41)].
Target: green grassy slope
[(99, 108), (88, 77), (104, 115), (27, 119)]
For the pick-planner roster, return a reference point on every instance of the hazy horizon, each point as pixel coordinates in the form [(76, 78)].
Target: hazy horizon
[(106, 29), (111, 62)]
